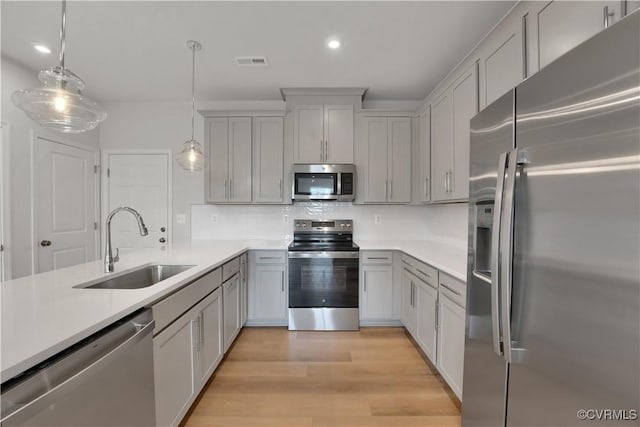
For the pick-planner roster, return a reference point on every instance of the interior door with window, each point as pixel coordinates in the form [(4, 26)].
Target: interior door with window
[(142, 182), (64, 204)]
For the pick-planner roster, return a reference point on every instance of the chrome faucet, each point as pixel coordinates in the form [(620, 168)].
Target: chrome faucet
[(109, 259)]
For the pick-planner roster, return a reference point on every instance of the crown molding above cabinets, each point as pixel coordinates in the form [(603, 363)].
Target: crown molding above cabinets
[(242, 113), (323, 91)]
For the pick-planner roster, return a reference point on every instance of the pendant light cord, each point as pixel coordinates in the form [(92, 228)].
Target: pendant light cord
[(63, 32), (193, 89)]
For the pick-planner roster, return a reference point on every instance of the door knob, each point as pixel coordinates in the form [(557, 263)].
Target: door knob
[(45, 243), (162, 240), (163, 229)]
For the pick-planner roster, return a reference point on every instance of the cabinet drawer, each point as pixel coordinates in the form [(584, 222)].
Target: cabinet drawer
[(376, 257), (230, 268), (454, 289), (421, 270), (172, 307), (271, 257)]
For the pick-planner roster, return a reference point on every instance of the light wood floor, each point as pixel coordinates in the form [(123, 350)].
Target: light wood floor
[(374, 377)]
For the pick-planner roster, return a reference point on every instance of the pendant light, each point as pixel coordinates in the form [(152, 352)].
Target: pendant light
[(191, 157), (59, 104)]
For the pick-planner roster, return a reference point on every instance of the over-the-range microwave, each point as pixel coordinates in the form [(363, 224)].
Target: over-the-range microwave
[(323, 182)]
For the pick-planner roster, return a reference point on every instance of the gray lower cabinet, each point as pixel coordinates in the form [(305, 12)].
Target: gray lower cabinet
[(268, 300), (244, 283), (185, 354), (232, 306), (426, 321), (409, 302)]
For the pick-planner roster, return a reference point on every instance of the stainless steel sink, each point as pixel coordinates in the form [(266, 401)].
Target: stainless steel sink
[(141, 278)]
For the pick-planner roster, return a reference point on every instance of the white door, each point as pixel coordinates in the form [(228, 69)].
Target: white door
[(140, 181), (64, 204), (5, 230)]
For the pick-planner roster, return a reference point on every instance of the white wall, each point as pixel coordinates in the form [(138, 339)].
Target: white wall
[(14, 77), (158, 125), (445, 223)]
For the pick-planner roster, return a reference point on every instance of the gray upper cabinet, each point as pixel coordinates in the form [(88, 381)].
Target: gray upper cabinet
[(384, 147), (450, 116), (503, 61), (323, 134), (562, 25), (228, 166), (268, 154), (422, 184)]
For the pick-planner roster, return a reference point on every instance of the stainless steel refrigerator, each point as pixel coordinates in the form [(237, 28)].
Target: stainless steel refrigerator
[(553, 297)]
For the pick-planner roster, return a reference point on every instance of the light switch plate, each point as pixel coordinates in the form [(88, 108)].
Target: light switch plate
[(377, 219), (214, 219)]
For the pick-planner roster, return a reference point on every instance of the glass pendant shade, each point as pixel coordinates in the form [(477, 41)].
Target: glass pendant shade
[(191, 157), (59, 104)]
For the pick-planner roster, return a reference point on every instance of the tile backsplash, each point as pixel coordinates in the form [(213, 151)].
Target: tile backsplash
[(446, 223)]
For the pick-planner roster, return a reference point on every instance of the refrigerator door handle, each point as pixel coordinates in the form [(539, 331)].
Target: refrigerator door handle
[(506, 251), (495, 258)]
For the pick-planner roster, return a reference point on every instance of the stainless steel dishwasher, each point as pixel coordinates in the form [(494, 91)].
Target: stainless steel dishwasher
[(105, 380)]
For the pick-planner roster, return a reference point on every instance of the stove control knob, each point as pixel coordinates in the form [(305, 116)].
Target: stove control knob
[(343, 225), (348, 225), (304, 225)]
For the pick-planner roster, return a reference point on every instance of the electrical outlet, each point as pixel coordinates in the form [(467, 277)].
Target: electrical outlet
[(214, 219), (285, 219), (181, 218), (377, 219)]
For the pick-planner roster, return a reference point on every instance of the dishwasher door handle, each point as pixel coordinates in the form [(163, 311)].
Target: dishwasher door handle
[(40, 400)]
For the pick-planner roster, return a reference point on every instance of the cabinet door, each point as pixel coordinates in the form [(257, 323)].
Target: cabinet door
[(399, 156), (268, 154), (374, 136), (504, 60), (173, 356), (338, 133), (244, 285), (408, 298), (308, 134), (562, 25), (231, 298), (441, 146), (423, 184), (217, 163), (377, 292), (270, 302), (240, 159), (451, 320), (427, 300), (465, 106), (210, 340)]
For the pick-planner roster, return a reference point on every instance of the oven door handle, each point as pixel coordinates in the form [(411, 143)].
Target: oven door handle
[(325, 254)]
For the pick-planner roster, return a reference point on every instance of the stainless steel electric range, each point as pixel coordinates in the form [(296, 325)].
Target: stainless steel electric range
[(323, 276)]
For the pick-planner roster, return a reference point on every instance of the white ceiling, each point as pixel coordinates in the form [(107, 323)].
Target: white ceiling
[(135, 51)]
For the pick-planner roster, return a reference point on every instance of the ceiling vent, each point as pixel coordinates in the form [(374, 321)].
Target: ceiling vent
[(251, 61)]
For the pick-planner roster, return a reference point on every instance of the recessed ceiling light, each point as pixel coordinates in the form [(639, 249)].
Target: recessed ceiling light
[(333, 43), (42, 49)]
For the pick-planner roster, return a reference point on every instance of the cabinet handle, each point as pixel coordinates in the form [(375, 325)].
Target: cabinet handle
[(230, 189), (226, 189), (525, 55), (423, 272), (195, 335), (451, 182), (426, 187), (321, 150), (390, 189), (386, 189), (404, 261), (607, 15), (378, 257), (326, 151), (269, 257), (280, 189), (283, 282), (365, 281), (451, 289), (437, 310), (446, 182), (201, 327)]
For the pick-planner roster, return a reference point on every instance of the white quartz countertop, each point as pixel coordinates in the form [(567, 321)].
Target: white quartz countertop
[(443, 256), (44, 314)]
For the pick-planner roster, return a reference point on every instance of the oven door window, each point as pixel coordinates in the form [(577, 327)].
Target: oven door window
[(323, 282), (316, 184)]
